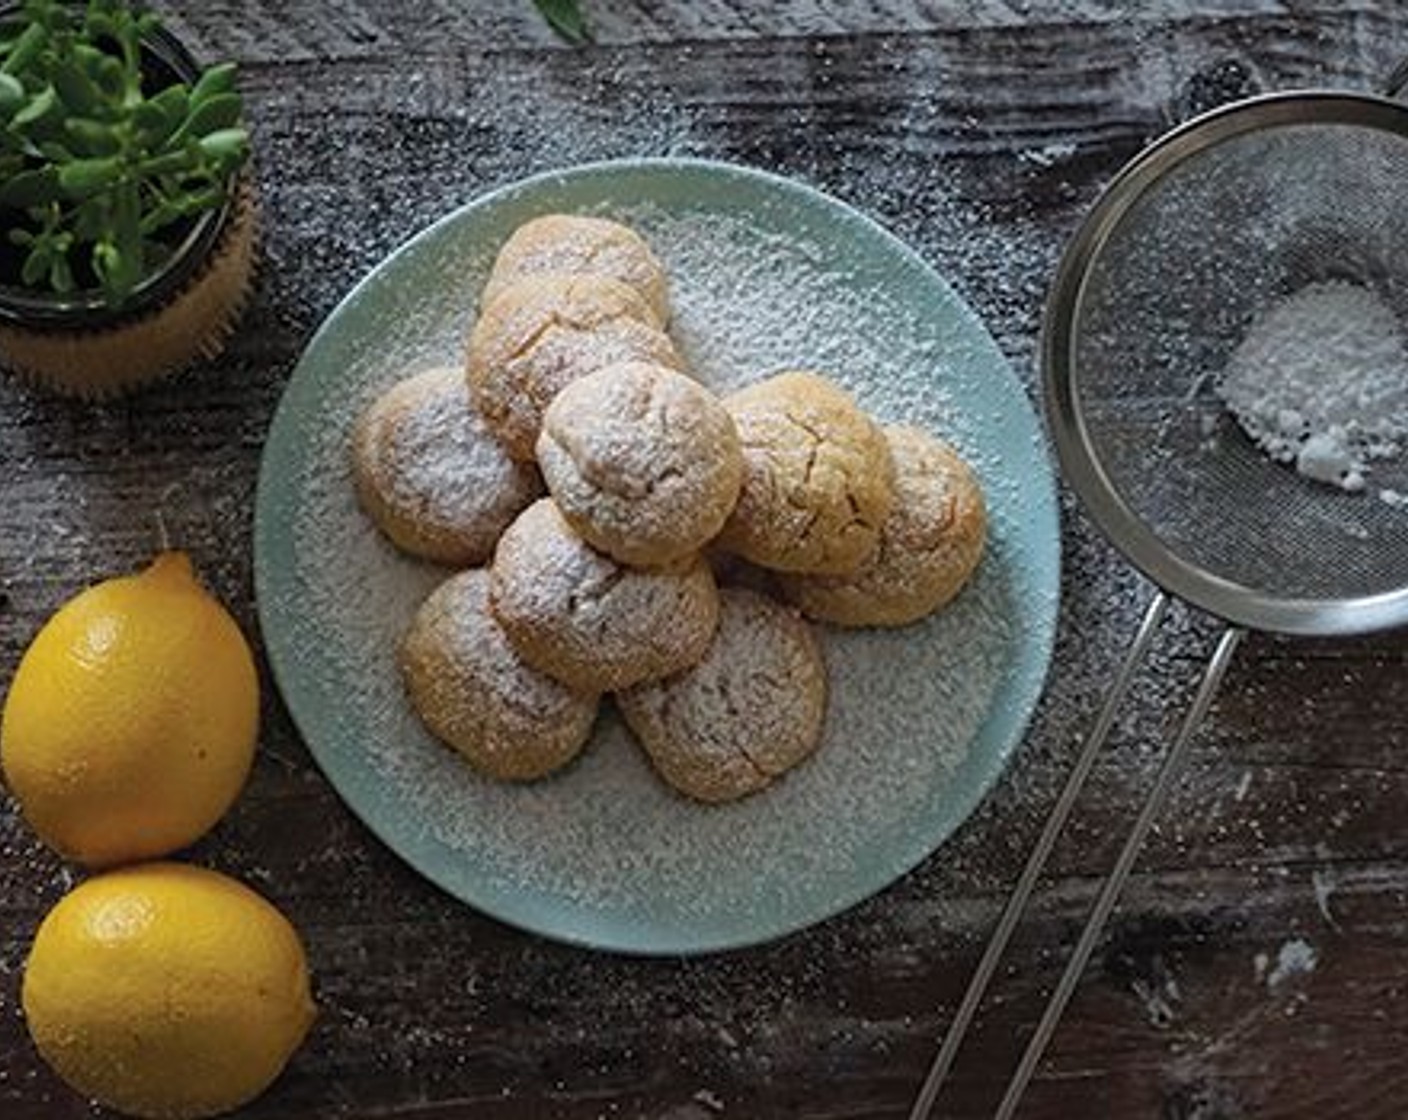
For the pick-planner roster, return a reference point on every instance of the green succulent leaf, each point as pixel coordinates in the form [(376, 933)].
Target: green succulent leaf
[(56, 18), (110, 77), (90, 137), (175, 162), (107, 264), (36, 265), (41, 105), (90, 219), (214, 82), (26, 48), (159, 217), (84, 177), (127, 224), (99, 23), (161, 118), (54, 151), (61, 275), (90, 58), (225, 144), (11, 94), (75, 87), (30, 188), (565, 17), (211, 114)]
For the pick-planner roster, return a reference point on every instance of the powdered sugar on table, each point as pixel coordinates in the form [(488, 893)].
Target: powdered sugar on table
[(606, 837)]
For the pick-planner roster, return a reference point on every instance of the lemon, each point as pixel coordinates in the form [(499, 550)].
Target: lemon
[(130, 725), (165, 990)]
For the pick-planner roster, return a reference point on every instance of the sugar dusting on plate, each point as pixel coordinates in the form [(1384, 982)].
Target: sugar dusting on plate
[(606, 836)]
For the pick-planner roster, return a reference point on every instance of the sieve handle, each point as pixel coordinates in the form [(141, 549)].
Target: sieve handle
[(1026, 883), (1109, 894)]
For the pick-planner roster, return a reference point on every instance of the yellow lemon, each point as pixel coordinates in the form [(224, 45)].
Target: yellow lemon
[(167, 991), (130, 725)]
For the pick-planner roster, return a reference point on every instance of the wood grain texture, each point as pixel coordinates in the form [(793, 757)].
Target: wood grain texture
[(978, 131)]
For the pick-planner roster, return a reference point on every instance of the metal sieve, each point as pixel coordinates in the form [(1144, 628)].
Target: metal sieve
[(1239, 208), (1232, 212)]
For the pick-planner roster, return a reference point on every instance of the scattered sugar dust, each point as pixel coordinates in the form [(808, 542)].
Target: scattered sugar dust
[(605, 839), (1296, 957)]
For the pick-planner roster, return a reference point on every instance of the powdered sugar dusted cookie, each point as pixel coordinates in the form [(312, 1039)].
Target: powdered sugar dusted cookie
[(570, 244), (929, 545), (541, 334), (431, 474), (817, 477), (751, 710), (643, 462), (476, 694), (589, 621)]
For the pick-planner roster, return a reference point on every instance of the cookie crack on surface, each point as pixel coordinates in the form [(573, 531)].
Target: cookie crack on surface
[(667, 474), (535, 337), (741, 751), (594, 250), (593, 591), (735, 721), (816, 441), (806, 529)]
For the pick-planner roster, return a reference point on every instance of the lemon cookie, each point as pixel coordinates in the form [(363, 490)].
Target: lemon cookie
[(590, 622), (541, 334), (746, 714), (929, 545), (817, 478), (431, 474), (474, 692), (644, 463), (570, 244)]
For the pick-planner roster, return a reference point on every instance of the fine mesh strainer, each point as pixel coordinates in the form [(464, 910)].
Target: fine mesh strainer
[(1205, 229)]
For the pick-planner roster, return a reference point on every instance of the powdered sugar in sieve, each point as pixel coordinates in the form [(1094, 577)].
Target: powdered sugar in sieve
[(1321, 381)]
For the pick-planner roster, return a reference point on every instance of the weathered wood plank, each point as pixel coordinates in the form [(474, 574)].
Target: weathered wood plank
[(265, 30)]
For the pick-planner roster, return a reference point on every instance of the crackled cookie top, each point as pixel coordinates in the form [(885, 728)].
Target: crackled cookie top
[(570, 244), (644, 462), (929, 545), (431, 474), (590, 621), (541, 334), (751, 710), (476, 694), (817, 478)]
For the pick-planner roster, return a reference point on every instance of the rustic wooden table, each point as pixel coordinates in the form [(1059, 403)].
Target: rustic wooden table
[(1258, 964)]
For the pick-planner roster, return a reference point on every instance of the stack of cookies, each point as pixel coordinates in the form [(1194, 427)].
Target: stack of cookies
[(588, 488)]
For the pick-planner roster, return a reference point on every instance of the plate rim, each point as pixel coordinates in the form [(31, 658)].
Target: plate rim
[(494, 903)]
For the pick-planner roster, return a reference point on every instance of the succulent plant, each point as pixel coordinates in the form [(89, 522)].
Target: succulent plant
[(100, 172), (565, 17)]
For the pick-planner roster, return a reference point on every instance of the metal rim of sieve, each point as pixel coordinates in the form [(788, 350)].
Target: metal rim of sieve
[(1081, 463)]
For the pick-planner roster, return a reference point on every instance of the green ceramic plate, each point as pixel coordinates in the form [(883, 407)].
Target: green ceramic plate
[(766, 274)]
